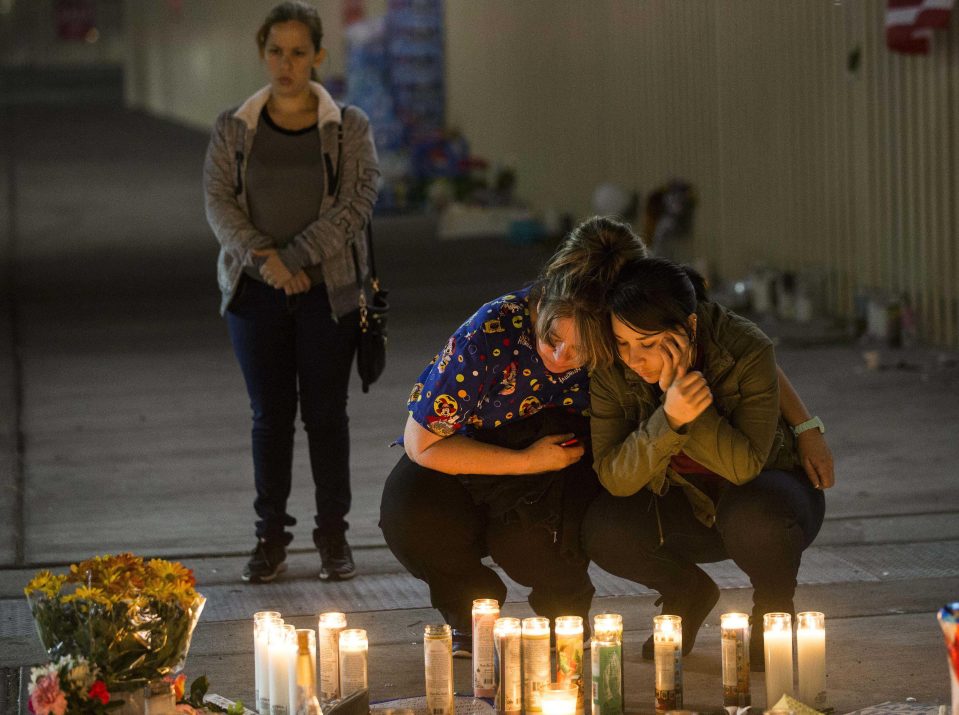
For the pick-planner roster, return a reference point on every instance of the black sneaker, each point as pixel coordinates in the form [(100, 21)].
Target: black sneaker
[(462, 644), (336, 558), (266, 563), (693, 605)]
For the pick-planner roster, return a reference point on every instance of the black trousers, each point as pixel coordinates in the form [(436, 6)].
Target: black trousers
[(292, 353), (763, 526), (440, 528)]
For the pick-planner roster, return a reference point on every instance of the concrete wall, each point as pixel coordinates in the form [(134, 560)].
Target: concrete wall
[(798, 162)]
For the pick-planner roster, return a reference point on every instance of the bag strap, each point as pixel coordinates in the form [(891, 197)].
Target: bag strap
[(374, 279)]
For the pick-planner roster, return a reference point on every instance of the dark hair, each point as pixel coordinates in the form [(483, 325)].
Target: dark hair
[(574, 281), (653, 294), (294, 10)]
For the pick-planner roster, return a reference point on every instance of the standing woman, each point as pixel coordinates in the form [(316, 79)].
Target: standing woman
[(698, 460), (290, 180)]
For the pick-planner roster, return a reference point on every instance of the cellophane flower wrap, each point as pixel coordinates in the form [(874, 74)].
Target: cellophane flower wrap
[(132, 618)]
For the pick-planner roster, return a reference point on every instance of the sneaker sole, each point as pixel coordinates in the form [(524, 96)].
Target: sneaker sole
[(267, 578), (337, 577)]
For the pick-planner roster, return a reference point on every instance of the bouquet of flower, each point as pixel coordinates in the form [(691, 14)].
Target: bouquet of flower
[(68, 685), (132, 618)]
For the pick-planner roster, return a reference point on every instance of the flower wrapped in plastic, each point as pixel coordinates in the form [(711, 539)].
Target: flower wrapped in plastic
[(132, 618)]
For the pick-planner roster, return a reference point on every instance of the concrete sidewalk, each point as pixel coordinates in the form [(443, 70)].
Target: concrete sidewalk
[(133, 431)]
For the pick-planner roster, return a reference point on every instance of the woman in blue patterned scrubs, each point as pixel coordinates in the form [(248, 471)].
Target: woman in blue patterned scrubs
[(488, 468)]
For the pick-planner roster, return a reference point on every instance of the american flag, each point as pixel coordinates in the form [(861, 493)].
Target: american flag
[(909, 23)]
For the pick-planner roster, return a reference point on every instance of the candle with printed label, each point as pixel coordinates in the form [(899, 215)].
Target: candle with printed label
[(607, 664), (438, 669), (509, 668), (536, 675), (331, 624), (569, 655), (354, 650), (735, 643), (485, 612), (668, 653)]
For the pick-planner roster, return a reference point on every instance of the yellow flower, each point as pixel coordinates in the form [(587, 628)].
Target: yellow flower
[(46, 583), (90, 594)]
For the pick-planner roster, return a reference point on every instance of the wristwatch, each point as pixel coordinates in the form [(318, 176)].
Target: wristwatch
[(814, 423)]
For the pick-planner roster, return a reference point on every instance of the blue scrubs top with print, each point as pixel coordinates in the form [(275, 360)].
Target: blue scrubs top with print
[(489, 374)]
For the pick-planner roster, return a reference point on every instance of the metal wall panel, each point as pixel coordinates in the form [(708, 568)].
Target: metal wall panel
[(799, 163)]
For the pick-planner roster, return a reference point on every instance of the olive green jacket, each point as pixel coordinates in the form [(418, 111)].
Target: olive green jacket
[(737, 436)]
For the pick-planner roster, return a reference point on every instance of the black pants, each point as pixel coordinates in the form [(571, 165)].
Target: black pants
[(763, 526), (440, 528), (292, 351)]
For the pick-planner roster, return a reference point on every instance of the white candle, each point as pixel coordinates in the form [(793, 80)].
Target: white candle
[(262, 622), (282, 656), (535, 663), (735, 642), (485, 613), (354, 648), (569, 656), (778, 652), (559, 699), (331, 624), (668, 649), (509, 667), (811, 649)]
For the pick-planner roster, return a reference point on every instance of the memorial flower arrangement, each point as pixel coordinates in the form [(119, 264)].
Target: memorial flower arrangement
[(68, 685), (129, 618)]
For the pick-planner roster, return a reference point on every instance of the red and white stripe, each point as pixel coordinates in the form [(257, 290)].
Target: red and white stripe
[(909, 23)]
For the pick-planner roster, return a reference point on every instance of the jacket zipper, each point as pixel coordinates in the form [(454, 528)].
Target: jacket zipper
[(239, 173)]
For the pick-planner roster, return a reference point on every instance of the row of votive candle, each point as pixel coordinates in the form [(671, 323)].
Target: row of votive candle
[(734, 637), (512, 664), (285, 660)]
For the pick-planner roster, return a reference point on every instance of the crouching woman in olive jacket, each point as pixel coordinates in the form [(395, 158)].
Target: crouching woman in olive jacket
[(697, 462)]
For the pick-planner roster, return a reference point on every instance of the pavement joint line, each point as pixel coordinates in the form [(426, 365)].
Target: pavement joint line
[(181, 557), (893, 515), (19, 522)]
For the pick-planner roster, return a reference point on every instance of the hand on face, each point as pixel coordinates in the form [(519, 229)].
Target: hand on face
[(676, 355), (687, 393)]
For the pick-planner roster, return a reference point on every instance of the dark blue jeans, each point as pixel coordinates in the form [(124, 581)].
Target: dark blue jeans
[(763, 526), (291, 350)]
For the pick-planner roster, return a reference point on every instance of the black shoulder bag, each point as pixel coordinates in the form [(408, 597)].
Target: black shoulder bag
[(371, 347), (371, 341)]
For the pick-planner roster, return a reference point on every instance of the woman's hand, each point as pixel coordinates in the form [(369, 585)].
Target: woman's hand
[(273, 270), (816, 458), (676, 355), (686, 397), (546, 454), (300, 283)]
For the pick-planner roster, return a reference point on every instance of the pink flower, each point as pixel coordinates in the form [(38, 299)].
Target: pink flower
[(47, 698)]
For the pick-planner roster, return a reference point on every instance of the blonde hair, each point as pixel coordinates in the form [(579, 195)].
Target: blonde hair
[(574, 282)]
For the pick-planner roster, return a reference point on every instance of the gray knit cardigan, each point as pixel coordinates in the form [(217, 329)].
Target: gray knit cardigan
[(336, 239)]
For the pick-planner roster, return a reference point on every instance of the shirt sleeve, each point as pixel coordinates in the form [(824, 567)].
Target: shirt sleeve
[(454, 385)]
